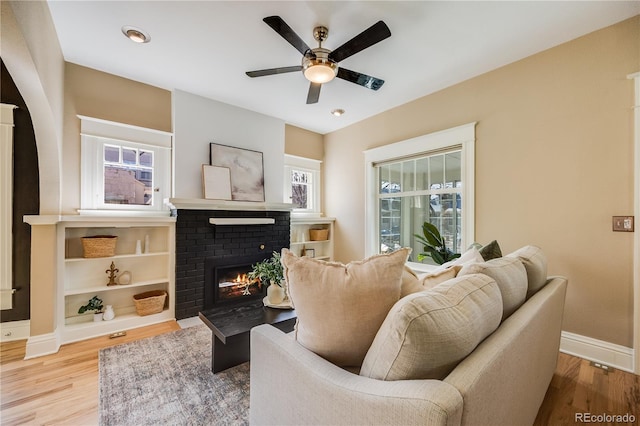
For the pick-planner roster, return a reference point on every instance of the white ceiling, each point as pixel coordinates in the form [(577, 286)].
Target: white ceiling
[(205, 47)]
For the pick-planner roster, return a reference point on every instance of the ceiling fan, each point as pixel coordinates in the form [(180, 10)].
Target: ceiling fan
[(320, 65)]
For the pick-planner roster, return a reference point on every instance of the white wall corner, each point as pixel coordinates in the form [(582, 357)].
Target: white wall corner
[(43, 344), (617, 356)]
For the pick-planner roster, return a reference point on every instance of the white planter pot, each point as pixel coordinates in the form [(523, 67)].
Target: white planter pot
[(97, 317), (109, 314), (275, 294)]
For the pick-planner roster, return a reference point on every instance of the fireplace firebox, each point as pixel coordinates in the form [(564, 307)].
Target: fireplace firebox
[(227, 281)]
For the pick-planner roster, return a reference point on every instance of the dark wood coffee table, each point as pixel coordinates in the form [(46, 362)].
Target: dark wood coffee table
[(230, 328)]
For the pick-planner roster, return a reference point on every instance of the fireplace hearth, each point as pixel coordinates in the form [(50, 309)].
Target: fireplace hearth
[(204, 250)]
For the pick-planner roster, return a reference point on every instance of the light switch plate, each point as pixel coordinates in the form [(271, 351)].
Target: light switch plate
[(623, 223)]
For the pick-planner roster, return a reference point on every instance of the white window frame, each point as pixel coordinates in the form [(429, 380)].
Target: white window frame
[(95, 134), (308, 165), (462, 136)]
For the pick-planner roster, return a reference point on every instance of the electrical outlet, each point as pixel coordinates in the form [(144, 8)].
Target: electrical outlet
[(623, 223)]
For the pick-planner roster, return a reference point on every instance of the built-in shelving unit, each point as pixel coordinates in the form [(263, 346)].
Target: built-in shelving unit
[(301, 243), (82, 278)]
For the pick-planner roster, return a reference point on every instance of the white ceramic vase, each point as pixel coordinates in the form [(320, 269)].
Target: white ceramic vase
[(108, 313), (275, 294)]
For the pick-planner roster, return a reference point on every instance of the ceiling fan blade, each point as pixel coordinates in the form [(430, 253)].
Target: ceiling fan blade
[(359, 78), (281, 27), (372, 35), (272, 71), (314, 93)]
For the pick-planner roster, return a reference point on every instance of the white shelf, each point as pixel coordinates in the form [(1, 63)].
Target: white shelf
[(116, 257), (300, 227), (97, 289), (242, 221), (302, 243), (80, 278), (87, 328)]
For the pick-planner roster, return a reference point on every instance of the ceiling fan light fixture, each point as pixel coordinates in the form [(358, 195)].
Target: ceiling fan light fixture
[(321, 73), (318, 68), (136, 34)]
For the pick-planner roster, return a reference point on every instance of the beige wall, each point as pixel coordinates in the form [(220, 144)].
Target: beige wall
[(554, 163), (307, 144), (303, 143), (100, 95)]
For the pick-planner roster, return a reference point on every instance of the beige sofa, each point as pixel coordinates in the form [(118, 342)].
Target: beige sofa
[(502, 382)]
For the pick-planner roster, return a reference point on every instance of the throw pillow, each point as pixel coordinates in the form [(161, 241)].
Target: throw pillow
[(511, 277), (341, 307), (410, 282), (491, 251), (470, 256), (426, 334), (535, 263), (432, 279)]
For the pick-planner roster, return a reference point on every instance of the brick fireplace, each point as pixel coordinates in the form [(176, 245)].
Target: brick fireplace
[(208, 255)]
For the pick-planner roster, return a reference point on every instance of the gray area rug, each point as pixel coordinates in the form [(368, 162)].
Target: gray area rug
[(167, 379)]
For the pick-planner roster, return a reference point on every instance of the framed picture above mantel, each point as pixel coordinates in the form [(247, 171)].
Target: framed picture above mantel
[(246, 170)]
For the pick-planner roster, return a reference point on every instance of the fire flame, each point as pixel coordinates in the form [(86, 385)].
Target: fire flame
[(242, 279)]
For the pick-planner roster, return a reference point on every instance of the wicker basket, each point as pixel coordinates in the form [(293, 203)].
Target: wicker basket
[(150, 302), (99, 246), (318, 234)]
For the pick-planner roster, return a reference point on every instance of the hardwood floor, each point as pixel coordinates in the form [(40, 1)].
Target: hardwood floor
[(63, 388), (58, 389), (580, 389)]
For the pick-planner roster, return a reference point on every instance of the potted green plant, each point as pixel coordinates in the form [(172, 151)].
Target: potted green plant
[(434, 245), (270, 272), (95, 305)]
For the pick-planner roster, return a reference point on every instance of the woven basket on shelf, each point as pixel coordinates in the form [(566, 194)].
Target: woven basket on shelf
[(150, 302), (318, 234), (99, 246)]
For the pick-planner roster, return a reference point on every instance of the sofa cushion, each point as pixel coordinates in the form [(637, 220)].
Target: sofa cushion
[(341, 307), (535, 263), (511, 277), (426, 334), (490, 251)]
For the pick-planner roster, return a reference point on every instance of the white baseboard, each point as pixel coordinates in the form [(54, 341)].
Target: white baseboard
[(617, 356), (41, 345), (14, 330)]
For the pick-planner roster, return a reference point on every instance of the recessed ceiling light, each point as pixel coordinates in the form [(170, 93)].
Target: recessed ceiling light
[(136, 34), (337, 112)]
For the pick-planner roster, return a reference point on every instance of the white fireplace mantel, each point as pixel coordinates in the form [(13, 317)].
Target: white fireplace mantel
[(203, 204)]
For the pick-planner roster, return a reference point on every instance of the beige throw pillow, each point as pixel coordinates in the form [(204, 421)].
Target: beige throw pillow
[(410, 282), (511, 277), (341, 307), (535, 263), (426, 334), (432, 279)]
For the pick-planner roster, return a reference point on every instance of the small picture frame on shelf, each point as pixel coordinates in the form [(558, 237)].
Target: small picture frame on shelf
[(216, 183), (310, 253)]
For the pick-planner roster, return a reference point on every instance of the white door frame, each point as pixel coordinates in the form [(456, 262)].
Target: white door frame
[(636, 243)]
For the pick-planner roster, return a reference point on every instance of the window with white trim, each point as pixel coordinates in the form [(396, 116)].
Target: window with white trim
[(425, 179), (124, 167), (302, 185)]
